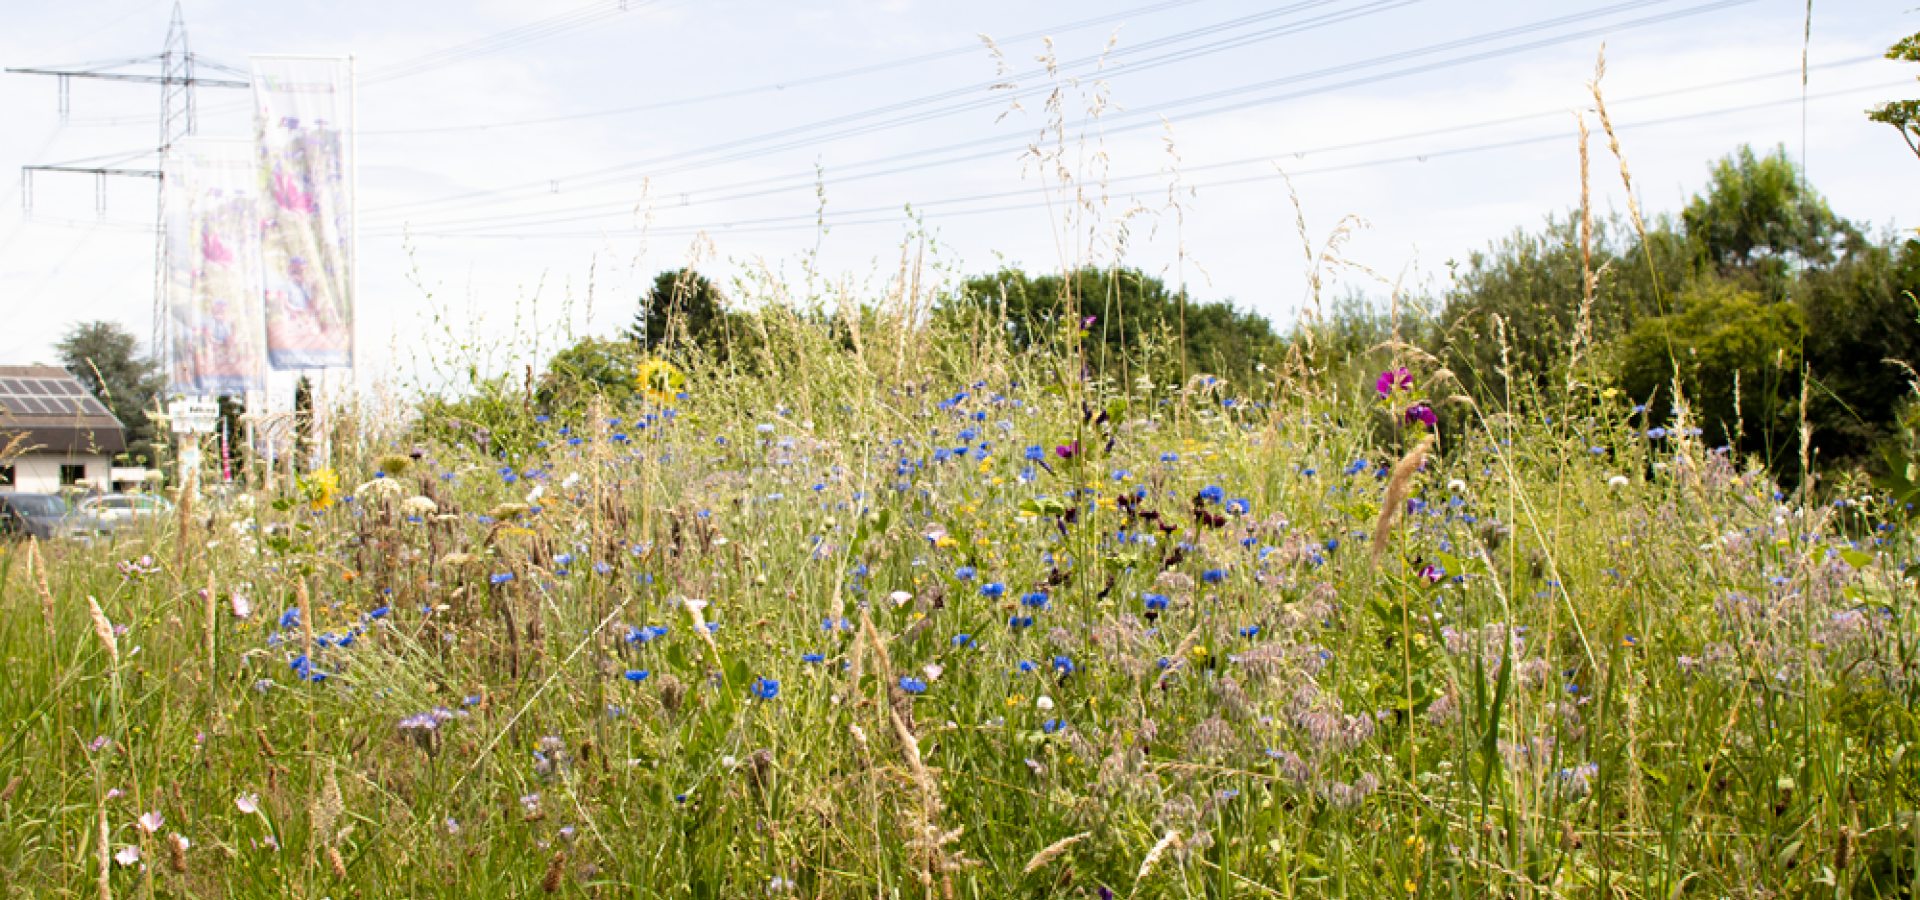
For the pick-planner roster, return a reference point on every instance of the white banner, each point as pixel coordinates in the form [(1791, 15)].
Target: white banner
[(213, 267), (302, 107)]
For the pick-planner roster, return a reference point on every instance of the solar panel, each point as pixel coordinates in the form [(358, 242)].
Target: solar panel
[(94, 407), (35, 386), (72, 387), (12, 386), (12, 406), (62, 406)]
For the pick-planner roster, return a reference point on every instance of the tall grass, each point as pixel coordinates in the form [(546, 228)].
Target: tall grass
[(891, 611)]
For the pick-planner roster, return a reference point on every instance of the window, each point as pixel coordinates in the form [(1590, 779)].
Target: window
[(6, 477), (72, 475)]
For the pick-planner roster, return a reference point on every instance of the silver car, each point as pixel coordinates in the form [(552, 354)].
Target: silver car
[(121, 510)]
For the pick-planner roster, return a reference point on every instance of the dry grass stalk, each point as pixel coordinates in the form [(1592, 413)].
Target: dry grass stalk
[(1613, 140), (37, 574), (1052, 852), (103, 852), (103, 628), (1397, 488), (1171, 839), (556, 870), (177, 854)]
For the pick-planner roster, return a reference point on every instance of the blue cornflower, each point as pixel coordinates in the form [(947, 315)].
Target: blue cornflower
[(380, 612), (965, 573), (992, 589), (961, 640), (1249, 631), (813, 657), (1019, 622), (290, 618), (637, 674), (1155, 602), (1035, 453), (503, 578), (1064, 665), (765, 688), (1027, 665), (1212, 493), (1169, 457), (1213, 576), (912, 685), (1239, 507), (1036, 599), (1052, 725)]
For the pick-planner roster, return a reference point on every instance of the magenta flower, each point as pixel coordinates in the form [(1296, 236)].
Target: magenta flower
[(1422, 413), (1067, 451), (1393, 380)]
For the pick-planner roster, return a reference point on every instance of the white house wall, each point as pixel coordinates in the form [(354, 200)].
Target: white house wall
[(40, 474)]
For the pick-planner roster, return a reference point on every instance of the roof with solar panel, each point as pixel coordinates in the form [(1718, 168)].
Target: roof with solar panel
[(56, 411)]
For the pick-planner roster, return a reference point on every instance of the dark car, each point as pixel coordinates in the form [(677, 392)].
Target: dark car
[(44, 516)]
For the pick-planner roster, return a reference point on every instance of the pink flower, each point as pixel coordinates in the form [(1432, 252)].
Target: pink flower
[(1067, 451), (248, 803), (1420, 412), (1393, 380), (151, 822), (127, 856)]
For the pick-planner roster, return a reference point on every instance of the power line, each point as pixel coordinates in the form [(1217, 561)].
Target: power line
[(625, 208), (799, 82), (1154, 111), (808, 221), (981, 98)]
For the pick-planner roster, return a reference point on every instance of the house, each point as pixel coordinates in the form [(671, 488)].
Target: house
[(54, 435)]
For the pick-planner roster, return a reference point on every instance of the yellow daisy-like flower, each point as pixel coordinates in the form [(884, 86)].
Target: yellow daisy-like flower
[(660, 381), (320, 488)]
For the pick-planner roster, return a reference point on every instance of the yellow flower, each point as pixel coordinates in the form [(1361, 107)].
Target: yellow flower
[(320, 488), (660, 381)]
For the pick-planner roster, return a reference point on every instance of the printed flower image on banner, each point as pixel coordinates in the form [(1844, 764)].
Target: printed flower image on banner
[(210, 194), (302, 106)]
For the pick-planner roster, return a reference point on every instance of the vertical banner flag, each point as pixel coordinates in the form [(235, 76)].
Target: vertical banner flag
[(213, 267), (302, 107)]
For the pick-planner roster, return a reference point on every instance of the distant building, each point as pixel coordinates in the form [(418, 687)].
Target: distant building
[(53, 434)]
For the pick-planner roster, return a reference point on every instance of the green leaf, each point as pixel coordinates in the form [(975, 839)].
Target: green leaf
[(1856, 558), (677, 658)]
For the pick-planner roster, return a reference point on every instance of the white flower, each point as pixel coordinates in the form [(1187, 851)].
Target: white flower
[(127, 856), (151, 822), (380, 489), (933, 671), (248, 803), (1044, 703), (1456, 485), (567, 483), (533, 496), (1618, 481), (900, 598), (418, 506), (242, 607)]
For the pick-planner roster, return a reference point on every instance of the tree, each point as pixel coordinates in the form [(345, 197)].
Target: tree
[(682, 307), (105, 357), (1721, 335), (1903, 115), (1863, 344), (1510, 319), (1759, 222), (1133, 324)]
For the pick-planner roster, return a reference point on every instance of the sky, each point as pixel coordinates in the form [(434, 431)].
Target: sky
[(525, 170)]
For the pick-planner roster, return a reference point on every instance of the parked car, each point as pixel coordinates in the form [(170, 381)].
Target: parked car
[(113, 510), (43, 516)]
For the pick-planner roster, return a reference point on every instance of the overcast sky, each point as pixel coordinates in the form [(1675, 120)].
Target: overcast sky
[(513, 153)]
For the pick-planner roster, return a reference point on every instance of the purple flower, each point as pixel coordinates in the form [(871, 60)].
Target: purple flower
[(1067, 451), (1422, 413), (1393, 380)]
